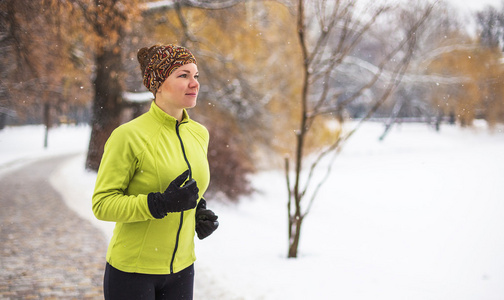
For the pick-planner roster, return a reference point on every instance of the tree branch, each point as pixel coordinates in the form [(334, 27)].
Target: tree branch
[(165, 5), (397, 77)]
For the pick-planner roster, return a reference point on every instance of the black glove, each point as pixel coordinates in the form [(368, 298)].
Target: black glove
[(206, 220), (175, 198)]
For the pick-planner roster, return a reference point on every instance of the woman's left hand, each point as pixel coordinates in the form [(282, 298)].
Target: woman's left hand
[(206, 220)]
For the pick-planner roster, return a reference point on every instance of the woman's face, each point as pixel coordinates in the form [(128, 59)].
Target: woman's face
[(179, 90)]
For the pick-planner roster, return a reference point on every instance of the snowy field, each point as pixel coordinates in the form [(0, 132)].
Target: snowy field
[(417, 216)]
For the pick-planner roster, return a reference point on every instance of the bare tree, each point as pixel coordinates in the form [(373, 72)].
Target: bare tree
[(491, 24), (34, 69), (327, 48), (491, 37), (107, 20)]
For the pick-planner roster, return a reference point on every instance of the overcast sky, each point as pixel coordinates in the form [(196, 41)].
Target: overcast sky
[(474, 5), (469, 7)]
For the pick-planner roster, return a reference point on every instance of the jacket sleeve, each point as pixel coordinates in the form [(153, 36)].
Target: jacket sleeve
[(118, 165)]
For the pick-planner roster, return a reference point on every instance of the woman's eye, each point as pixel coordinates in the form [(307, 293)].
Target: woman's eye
[(186, 75)]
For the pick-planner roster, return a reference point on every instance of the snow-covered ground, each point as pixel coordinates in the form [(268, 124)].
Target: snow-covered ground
[(417, 216)]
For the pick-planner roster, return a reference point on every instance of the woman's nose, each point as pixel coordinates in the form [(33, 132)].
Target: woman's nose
[(194, 83)]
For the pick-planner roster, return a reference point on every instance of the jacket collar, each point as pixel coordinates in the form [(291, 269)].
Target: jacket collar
[(165, 118)]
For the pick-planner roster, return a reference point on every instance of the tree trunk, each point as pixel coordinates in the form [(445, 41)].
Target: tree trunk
[(294, 235), (107, 103), (47, 123), (297, 219), (3, 120)]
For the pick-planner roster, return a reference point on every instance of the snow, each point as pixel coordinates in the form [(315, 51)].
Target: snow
[(417, 216), (21, 145), (142, 97)]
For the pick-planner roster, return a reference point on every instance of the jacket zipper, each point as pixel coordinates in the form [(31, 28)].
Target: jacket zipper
[(181, 213)]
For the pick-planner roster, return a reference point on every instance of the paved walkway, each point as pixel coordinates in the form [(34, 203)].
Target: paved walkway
[(46, 250)]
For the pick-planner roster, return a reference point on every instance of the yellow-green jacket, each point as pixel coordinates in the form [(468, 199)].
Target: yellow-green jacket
[(140, 157)]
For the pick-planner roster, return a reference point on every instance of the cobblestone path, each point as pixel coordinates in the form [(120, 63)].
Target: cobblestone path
[(46, 250)]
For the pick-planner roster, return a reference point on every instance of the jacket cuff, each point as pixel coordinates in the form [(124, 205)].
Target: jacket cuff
[(154, 207), (201, 204)]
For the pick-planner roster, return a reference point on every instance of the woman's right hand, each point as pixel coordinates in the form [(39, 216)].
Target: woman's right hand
[(176, 198)]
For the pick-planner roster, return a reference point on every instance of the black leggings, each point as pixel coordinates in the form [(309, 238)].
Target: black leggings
[(121, 285)]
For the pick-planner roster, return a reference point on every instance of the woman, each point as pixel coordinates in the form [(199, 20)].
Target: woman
[(150, 181)]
